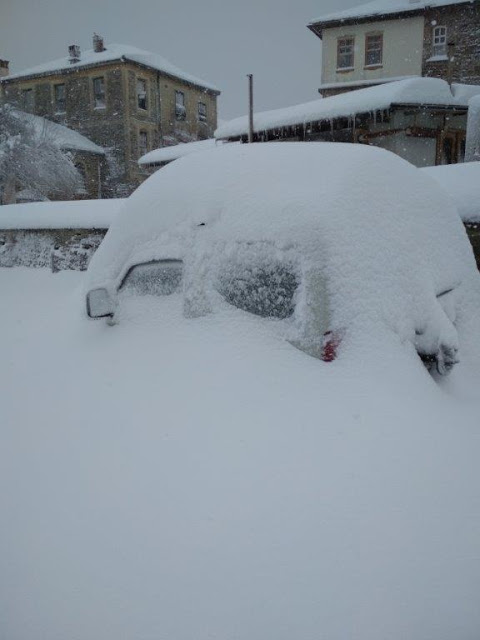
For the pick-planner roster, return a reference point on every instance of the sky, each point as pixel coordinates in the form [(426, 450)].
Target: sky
[(217, 40)]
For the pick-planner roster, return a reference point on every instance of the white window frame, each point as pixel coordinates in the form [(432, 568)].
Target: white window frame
[(202, 112), (60, 103), (439, 41), (142, 94), (142, 142), (99, 97), (346, 53), (180, 110), (377, 50)]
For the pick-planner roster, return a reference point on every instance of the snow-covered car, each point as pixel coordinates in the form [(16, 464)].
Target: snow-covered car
[(336, 242)]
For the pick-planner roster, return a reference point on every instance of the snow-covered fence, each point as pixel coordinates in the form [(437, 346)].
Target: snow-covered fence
[(57, 249), (55, 235)]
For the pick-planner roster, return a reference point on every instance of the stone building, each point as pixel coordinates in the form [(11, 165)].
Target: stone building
[(124, 99), (387, 40)]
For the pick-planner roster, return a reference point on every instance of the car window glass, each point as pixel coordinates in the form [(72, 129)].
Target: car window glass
[(158, 278), (263, 287)]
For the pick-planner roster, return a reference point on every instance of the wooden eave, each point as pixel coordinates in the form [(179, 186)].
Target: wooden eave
[(432, 108)]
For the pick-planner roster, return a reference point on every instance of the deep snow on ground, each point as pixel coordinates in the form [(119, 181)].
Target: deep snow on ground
[(199, 479)]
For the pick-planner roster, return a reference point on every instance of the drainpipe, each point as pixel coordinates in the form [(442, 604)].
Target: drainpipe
[(450, 53), (250, 107)]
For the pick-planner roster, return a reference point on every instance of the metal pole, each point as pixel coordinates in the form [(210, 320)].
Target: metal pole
[(99, 179), (250, 107), (451, 54)]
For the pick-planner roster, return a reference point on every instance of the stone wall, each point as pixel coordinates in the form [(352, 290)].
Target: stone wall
[(463, 28)]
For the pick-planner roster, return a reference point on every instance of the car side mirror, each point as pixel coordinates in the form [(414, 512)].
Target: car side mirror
[(99, 303)]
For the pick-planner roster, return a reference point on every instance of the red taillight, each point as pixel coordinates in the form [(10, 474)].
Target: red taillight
[(331, 342)]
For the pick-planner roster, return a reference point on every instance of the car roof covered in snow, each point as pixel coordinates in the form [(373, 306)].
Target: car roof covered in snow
[(113, 52), (384, 237), (381, 8), (462, 182), (416, 91), (75, 214)]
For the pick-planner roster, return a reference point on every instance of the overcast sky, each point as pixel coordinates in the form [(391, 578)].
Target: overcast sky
[(218, 40)]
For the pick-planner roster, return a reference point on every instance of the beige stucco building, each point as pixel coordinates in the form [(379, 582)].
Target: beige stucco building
[(387, 40), (401, 55)]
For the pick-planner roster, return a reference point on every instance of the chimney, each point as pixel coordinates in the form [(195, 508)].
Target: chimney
[(98, 43), (3, 68), (74, 53)]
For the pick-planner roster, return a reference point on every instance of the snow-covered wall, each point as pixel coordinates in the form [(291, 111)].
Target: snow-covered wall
[(57, 250)]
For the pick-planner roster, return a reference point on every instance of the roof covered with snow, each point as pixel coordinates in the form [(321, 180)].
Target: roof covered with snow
[(380, 8), (113, 52), (62, 137), (75, 214), (462, 182), (419, 91), (167, 154)]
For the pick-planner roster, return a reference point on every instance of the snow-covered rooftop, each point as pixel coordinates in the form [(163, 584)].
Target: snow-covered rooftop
[(75, 214), (362, 83), (462, 183), (111, 53), (382, 8), (167, 154), (62, 137), (431, 91)]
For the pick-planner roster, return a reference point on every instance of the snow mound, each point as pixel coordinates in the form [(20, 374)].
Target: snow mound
[(383, 237), (462, 183)]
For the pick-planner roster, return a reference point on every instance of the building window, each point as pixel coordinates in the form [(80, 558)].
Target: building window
[(439, 41), (202, 112), (28, 100), (180, 111), (374, 50), (99, 93), (142, 143), (345, 53), (60, 101), (142, 94)]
